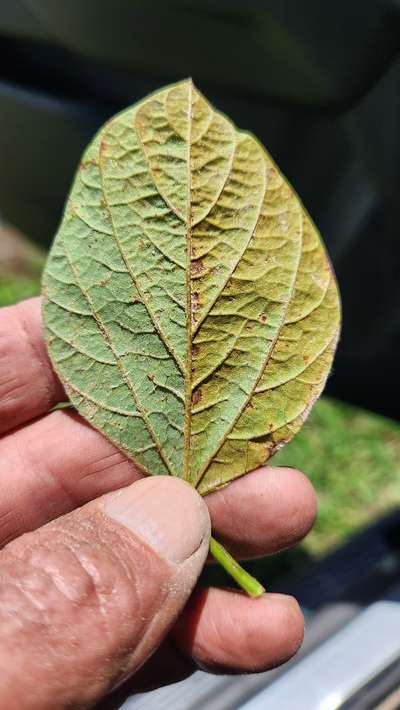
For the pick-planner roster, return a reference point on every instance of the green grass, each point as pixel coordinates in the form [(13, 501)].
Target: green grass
[(21, 264), (13, 289), (352, 457)]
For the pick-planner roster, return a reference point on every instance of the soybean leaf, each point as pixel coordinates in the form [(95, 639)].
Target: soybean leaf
[(190, 308)]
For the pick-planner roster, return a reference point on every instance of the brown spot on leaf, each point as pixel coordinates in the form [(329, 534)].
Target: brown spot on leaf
[(196, 267), (195, 350), (196, 397), (195, 300), (141, 243), (150, 376), (263, 318)]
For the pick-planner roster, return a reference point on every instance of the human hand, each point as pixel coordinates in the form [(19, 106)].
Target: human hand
[(103, 576)]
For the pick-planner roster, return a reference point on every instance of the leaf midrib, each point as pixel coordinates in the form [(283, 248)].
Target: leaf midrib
[(188, 283)]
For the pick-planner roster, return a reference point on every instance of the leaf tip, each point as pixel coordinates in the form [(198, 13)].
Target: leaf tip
[(189, 83)]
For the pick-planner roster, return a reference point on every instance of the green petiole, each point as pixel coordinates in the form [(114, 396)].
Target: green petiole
[(248, 583)]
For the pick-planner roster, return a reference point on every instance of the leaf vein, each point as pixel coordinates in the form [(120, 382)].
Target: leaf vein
[(124, 374), (142, 295), (236, 263), (75, 348), (228, 175), (262, 369), (102, 405)]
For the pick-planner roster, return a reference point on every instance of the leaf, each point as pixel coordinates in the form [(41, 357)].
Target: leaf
[(190, 309)]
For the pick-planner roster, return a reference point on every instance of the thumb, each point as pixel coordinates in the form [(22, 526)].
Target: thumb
[(87, 598)]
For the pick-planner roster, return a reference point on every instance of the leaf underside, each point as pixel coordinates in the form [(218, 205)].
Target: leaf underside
[(190, 309)]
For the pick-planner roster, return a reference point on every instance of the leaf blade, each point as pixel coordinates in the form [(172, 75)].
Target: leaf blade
[(190, 309)]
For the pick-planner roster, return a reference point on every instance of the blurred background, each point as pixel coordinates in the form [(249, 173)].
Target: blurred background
[(319, 84)]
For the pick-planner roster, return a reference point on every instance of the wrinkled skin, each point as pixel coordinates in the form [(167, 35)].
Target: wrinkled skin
[(87, 598)]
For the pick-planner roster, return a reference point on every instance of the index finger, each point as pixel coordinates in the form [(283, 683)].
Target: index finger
[(28, 385)]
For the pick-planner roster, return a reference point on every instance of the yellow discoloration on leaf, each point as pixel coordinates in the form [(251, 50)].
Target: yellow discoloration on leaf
[(190, 309)]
